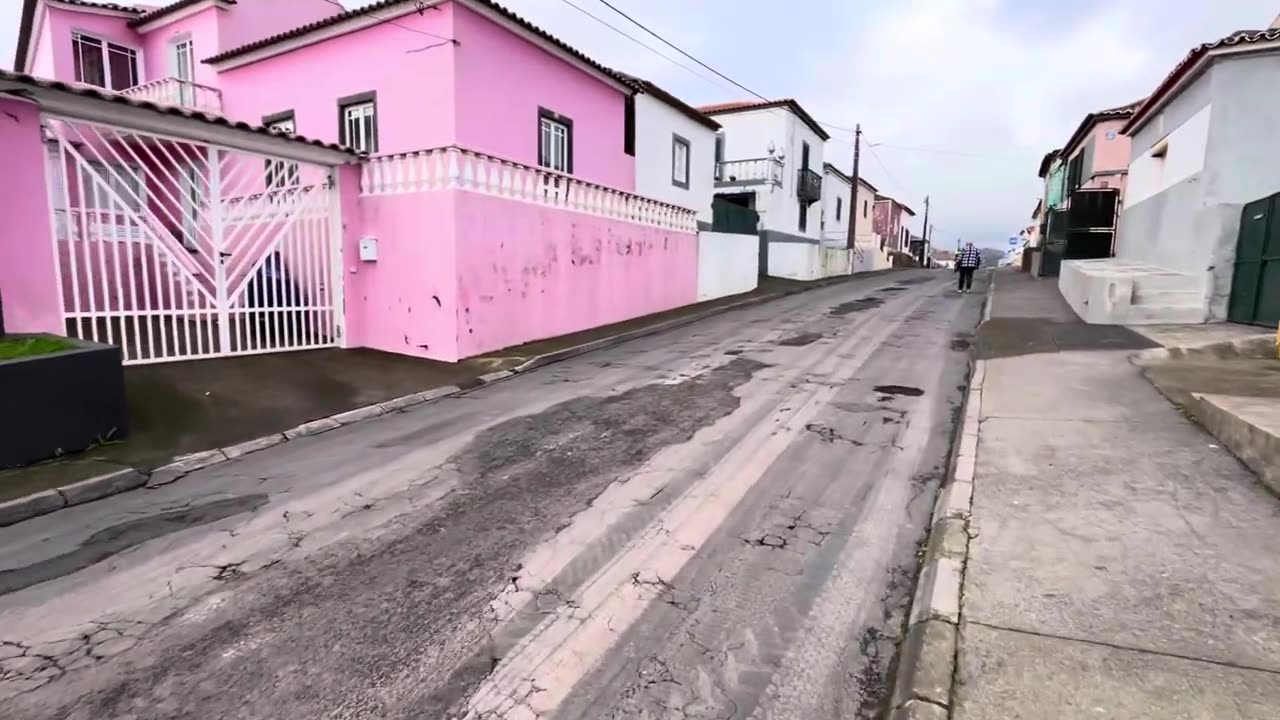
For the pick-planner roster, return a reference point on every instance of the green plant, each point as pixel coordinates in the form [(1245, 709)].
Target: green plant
[(13, 347)]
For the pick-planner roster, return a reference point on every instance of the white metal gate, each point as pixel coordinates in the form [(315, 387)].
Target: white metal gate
[(178, 250)]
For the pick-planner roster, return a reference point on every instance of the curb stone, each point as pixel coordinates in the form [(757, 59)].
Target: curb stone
[(47, 501), (925, 683)]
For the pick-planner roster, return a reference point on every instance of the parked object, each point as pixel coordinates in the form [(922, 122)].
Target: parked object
[(60, 395)]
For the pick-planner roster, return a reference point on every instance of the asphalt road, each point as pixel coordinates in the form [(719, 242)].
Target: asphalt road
[(720, 521)]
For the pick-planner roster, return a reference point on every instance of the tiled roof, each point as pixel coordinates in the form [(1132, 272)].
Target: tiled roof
[(642, 85), (160, 12), (849, 178), (1047, 161), (886, 198), (374, 7), (209, 118), (1115, 113), (1189, 64), (29, 17), (748, 105)]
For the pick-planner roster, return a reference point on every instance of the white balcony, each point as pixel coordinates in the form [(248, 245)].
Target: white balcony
[(756, 171), (180, 93)]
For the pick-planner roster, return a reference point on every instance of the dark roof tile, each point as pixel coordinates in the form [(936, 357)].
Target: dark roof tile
[(748, 105)]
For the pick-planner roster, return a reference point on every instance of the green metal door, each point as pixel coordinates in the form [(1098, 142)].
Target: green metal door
[(1255, 286)]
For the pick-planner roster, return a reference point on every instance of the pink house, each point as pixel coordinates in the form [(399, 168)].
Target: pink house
[(1097, 155), (889, 220), (434, 178)]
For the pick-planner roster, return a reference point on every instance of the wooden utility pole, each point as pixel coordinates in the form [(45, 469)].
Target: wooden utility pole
[(853, 214), (924, 231)]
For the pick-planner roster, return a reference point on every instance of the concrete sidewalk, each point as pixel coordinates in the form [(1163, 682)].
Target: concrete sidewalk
[(1121, 563)]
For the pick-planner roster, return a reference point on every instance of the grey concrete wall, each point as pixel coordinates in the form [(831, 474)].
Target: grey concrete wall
[(1178, 111)]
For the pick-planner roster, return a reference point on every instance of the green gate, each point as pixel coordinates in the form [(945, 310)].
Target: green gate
[(1255, 285)]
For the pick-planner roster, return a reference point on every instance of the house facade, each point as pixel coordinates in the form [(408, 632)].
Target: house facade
[(890, 224), (674, 146), (1195, 237), (473, 208)]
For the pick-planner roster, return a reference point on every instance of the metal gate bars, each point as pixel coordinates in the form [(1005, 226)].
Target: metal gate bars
[(178, 250)]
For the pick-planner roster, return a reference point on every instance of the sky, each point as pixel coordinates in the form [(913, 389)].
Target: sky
[(958, 99)]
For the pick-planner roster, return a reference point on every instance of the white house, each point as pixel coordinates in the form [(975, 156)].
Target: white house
[(674, 146), (769, 157), (838, 207)]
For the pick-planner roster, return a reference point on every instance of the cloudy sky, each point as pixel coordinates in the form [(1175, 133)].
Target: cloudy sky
[(960, 98)]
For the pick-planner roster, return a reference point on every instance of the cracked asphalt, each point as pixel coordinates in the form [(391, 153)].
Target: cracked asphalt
[(719, 521)]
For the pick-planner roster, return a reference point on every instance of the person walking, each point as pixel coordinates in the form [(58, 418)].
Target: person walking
[(967, 263)]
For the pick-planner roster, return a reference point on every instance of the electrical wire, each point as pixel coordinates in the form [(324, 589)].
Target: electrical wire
[(344, 8)]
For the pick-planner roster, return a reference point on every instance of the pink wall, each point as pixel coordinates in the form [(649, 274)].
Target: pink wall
[(1110, 154), (405, 302), (64, 22), (497, 106), (527, 272), (41, 51), (28, 276), (251, 20), (415, 90), (203, 30)]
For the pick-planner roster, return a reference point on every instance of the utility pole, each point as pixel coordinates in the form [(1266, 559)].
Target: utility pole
[(924, 231), (853, 214)]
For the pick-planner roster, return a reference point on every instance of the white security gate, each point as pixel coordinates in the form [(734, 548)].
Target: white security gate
[(178, 250)]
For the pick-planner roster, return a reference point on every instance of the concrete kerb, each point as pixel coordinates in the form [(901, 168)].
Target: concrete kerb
[(926, 672), (45, 502)]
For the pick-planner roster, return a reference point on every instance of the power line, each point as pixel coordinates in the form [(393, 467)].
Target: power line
[(421, 8), (673, 46), (664, 56)]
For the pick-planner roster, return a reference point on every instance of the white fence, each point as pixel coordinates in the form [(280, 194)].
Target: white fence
[(728, 264), (177, 250), (454, 168), (182, 93)]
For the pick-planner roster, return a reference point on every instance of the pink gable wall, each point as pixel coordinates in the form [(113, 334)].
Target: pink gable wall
[(201, 28), (502, 80), (28, 277), (414, 89), (64, 22), (251, 20), (42, 64)]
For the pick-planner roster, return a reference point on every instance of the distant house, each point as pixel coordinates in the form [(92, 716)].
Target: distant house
[(1200, 228), (891, 224)]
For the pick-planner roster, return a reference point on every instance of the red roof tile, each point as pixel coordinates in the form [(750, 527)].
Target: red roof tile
[(748, 105), (1093, 118)]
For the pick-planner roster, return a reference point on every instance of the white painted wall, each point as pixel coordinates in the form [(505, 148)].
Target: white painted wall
[(1149, 176), (656, 124), (837, 201), (728, 264), (748, 135), (808, 261)]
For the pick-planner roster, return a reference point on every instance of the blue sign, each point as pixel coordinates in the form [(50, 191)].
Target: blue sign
[(1014, 240)]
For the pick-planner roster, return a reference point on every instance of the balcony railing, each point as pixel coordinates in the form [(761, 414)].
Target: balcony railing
[(182, 93), (756, 171), (455, 168), (808, 186)]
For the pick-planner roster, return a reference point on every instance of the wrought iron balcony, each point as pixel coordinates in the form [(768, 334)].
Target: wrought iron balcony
[(756, 171), (182, 93), (808, 186)]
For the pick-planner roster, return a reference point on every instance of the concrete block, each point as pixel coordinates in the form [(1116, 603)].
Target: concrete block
[(183, 465), (966, 468), (408, 401), (253, 446), (949, 538), (103, 486), (955, 501), (25, 508), (355, 416), (926, 664), (315, 427), (938, 594), (495, 376)]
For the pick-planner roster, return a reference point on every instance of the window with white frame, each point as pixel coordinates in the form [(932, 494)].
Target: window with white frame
[(104, 64), (358, 118), (679, 162), (281, 173), (555, 141)]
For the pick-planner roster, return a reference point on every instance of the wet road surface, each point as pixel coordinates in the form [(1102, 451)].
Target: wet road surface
[(720, 521)]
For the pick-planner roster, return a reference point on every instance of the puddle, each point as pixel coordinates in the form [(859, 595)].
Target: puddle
[(800, 340), (118, 538), (854, 306), (899, 390)]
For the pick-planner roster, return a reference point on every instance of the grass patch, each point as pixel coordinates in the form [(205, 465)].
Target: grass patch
[(12, 348)]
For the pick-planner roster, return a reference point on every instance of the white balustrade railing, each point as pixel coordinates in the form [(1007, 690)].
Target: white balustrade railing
[(182, 93), (756, 171), (454, 168)]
